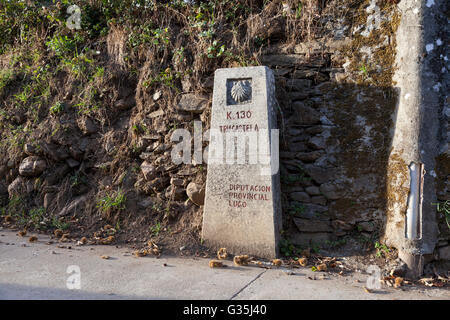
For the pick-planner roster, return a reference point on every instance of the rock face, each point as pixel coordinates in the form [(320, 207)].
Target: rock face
[(298, 84), (175, 193), (313, 190), (192, 103), (76, 204), (148, 170), (330, 191), (196, 193), (300, 196), (29, 149), (366, 226), (444, 253), (3, 189), (17, 187), (305, 114), (125, 103), (87, 125), (307, 225), (32, 166)]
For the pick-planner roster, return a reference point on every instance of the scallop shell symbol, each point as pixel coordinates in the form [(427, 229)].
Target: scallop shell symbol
[(240, 91)]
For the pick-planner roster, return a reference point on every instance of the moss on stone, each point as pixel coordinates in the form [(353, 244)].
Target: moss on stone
[(396, 182), (380, 68)]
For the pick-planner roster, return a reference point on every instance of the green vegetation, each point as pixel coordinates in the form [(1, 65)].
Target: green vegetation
[(156, 229), (57, 107), (444, 208), (315, 247), (59, 223), (297, 209), (287, 249), (382, 249), (16, 208), (37, 218), (294, 178), (110, 203), (336, 243)]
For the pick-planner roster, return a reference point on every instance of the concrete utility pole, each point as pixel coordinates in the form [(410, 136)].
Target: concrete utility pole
[(411, 217)]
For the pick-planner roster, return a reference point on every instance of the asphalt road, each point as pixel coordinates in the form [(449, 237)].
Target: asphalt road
[(40, 271)]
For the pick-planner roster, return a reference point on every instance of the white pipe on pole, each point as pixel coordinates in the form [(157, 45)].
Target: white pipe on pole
[(414, 211)]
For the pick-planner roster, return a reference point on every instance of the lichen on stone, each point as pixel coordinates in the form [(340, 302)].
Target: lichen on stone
[(372, 58)]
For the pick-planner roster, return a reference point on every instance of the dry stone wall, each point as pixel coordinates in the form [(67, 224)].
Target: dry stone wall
[(334, 148)]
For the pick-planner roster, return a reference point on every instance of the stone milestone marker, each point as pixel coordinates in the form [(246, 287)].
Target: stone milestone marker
[(242, 205)]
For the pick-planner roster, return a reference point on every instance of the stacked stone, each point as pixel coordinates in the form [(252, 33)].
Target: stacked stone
[(305, 178), (160, 175), (311, 179), (443, 189)]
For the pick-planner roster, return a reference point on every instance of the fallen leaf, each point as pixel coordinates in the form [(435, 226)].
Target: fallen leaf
[(156, 252), (398, 281), (58, 233), (22, 233), (65, 238), (322, 267), (222, 254), (241, 260), (215, 264), (140, 253), (367, 290), (303, 262), (107, 240), (82, 241), (277, 262)]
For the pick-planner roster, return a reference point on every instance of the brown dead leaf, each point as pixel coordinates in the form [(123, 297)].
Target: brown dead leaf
[(156, 252), (82, 241), (398, 282), (303, 262), (64, 238), (22, 233), (215, 264), (107, 240), (222, 254), (322, 267), (58, 233), (140, 253), (241, 260), (277, 262)]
